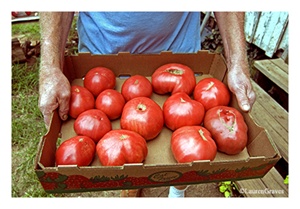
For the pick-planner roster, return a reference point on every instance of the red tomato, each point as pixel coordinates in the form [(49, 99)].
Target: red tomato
[(98, 79), (190, 143), (77, 150), (81, 100), (136, 86), (173, 78), (118, 147), (143, 116), (92, 123), (111, 102), (211, 92), (228, 129), (180, 110)]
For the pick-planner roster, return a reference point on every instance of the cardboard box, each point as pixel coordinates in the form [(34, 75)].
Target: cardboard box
[(160, 167)]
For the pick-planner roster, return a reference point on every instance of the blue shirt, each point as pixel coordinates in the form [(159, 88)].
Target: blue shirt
[(138, 32)]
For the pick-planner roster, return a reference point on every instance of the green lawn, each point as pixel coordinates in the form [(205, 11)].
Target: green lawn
[(27, 122), (27, 125)]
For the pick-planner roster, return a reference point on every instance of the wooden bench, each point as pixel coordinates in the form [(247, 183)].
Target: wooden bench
[(274, 118), (276, 70)]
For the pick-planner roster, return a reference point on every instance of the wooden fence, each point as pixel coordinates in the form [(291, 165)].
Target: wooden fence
[(268, 31)]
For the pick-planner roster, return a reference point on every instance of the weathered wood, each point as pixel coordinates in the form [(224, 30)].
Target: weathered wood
[(268, 31), (17, 53), (281, 64), (251, 22), (284, 44), (274, 182), (270, 106), (251, 188), (271, 185), (270, 115), (273, 72)]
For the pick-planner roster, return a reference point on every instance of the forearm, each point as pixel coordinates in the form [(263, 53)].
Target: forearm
[(231, 26), (54, 27), (54, 87)]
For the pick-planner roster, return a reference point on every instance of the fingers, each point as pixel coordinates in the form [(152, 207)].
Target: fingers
[(54, 91), (48, 108), (246, 98), (63, 103), (47, 111), (240, 85)]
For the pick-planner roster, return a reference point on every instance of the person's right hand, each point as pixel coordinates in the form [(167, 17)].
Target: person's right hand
[(54, 92)]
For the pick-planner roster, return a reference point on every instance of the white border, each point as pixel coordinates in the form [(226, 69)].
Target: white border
[(153, 5)]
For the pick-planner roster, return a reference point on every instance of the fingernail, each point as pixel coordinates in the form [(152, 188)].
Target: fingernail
[(65, 117), (246, 107)]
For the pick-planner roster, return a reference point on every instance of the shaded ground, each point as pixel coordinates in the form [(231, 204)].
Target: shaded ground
[(199, 190)]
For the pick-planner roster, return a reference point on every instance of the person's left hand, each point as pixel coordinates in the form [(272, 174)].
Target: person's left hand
[(239, 84)]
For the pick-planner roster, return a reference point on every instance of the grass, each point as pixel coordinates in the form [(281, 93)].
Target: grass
[(29, 30), (27, 125), (27, 121), (27, 129)]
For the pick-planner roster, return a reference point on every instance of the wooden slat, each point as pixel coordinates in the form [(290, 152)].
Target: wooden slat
[(269, 31), (271, 106), (268, 114), (271, 185), (251, 21), (273, 72), (281, 64), (274, 182), (250, 188)]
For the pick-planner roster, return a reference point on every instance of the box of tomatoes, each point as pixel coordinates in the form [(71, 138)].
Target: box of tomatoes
[(150, 120)]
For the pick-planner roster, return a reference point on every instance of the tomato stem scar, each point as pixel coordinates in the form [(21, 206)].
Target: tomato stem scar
[(202, 135), (211, 84), (141, 107), (175, 71)]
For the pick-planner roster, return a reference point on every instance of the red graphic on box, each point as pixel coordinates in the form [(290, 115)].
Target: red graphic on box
[(57, 183)]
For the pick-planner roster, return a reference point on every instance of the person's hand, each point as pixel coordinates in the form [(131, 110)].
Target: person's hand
[(54, 92), (239, 84)]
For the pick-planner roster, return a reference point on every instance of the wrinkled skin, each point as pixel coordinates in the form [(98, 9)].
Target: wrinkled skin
[(240, 85), (231, 26), (55, 92), (54, 87)]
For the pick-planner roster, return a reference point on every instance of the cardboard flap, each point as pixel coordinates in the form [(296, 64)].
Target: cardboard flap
[(257, 147), (46, 153), (131, 64)]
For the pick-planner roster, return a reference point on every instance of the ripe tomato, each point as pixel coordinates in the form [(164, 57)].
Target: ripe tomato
[(173, 78), (211, 92), (118, 147), (98, 79), (77, 150), (144, 116), (81, 100), (111, 102), (136, 86), (92, 123), (180, 110), (190, 143), (228, 129)]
